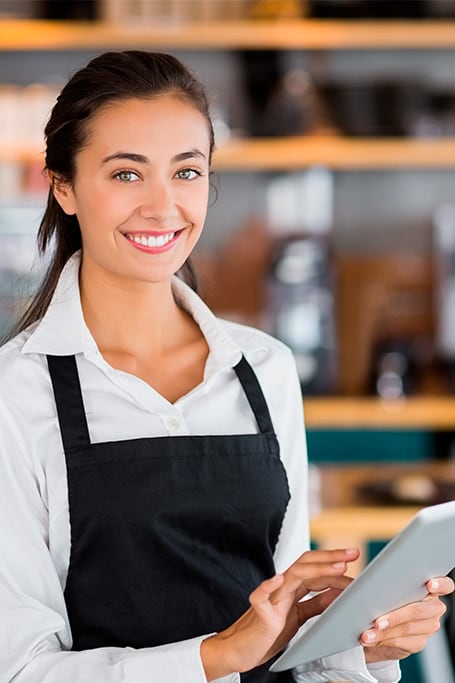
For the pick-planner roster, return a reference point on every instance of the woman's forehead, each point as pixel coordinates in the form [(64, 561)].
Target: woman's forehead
[(165, 118), (158, 127)]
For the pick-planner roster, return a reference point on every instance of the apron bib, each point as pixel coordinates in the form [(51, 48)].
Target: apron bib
[(169, 535)]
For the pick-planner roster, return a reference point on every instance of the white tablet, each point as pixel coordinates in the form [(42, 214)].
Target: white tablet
[(424, 549)]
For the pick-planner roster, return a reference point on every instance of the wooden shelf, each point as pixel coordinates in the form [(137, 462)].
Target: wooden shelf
[(344, 527), (351, 413), (336, 153), (293, 153), (21, 34)]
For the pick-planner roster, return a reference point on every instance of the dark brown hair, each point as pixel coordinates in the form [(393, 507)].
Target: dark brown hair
[(110, 77)]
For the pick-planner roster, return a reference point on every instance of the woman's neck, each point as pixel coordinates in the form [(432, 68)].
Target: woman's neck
[(130, 316), (142, 331)]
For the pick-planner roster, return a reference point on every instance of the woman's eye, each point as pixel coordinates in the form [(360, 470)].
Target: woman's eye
[(188, 174), (126, 176)]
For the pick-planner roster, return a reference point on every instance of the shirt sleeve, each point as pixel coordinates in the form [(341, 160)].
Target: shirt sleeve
[(169, 663), (35, 638)]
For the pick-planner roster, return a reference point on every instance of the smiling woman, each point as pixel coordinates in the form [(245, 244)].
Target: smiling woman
[(140, 216), (153, 473)]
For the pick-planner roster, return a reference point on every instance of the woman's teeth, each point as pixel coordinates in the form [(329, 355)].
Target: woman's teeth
[(151, 240)]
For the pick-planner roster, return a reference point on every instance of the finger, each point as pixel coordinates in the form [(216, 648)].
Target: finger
[(315, 577), (322, 584), (416, 619), (327, 556), (430, 607), (317, 604), (399, 634), (260, 597), (442, 585), (306, 573), (399, 646)]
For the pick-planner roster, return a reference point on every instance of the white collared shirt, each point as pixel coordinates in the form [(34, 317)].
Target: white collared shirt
[(35, 636)]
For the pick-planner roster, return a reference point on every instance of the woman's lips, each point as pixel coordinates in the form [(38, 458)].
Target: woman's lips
[(155, 243)]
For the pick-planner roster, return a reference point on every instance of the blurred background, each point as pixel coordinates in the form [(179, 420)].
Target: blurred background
[(332, 219), (334, 178)]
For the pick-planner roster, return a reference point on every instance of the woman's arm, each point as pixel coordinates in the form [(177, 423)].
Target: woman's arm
[(35, 637), (277, 612)]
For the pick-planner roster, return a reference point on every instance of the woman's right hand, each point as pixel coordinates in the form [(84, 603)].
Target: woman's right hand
[(277, 611)]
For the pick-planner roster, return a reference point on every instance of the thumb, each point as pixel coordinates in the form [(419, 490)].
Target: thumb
[(318, 603)]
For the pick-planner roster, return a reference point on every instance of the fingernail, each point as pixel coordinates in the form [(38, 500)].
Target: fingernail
[(383, 624), (434, 584), (370, 636), (351, 551), (339, 565)]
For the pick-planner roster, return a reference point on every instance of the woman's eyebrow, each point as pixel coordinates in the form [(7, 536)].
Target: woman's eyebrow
[(141, 159), (137, 158), (191, 154)]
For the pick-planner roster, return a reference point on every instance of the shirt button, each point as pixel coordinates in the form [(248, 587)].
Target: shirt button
[(173, 423)]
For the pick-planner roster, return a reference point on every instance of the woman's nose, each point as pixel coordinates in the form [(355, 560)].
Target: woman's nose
[(158, 201)]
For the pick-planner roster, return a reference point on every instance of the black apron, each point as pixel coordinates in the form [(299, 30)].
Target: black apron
[(169, 535)]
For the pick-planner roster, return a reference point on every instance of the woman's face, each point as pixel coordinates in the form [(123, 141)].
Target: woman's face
[(140, 190)]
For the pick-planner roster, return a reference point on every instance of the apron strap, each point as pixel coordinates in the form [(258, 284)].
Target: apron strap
[(254, 394), (70, 405)]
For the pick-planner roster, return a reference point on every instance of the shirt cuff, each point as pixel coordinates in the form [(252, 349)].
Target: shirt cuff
[(386, 672), (350, 666), (174, 662)]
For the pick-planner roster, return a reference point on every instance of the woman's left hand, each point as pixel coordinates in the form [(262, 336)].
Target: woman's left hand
[(406, 630)]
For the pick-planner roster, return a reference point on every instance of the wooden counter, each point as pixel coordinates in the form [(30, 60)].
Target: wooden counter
[(355, 526), (347, 520)]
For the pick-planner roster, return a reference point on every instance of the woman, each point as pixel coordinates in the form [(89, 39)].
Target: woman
[(152, 473)]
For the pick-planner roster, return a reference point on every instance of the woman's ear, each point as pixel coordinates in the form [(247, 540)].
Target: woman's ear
[(63, 193)]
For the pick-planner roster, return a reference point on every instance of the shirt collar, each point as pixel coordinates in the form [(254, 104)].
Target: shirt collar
[(224, 350), (62, 330)]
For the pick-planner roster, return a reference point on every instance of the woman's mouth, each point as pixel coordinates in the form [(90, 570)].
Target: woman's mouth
[(153, 243)]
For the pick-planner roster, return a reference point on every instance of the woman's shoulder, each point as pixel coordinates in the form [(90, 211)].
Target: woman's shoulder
[(13, 362), (15, 342), (251, 339)]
